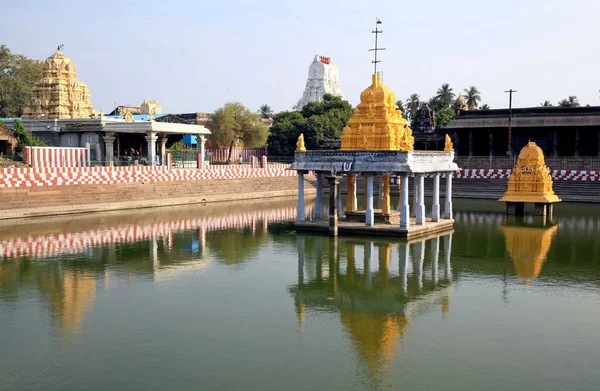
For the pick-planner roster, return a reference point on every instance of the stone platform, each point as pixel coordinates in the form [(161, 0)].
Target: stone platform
[(359, 228), (358, 216)]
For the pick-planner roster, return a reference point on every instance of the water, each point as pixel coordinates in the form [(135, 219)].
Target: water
[(230, 298)]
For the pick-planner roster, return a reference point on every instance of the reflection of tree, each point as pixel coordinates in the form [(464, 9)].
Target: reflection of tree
[(235, 247)]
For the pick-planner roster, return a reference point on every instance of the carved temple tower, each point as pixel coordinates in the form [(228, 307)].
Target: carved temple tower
[(323, 78), (59, 94)]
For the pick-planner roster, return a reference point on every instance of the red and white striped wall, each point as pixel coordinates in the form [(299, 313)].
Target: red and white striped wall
[(222, 154), (57, 157)]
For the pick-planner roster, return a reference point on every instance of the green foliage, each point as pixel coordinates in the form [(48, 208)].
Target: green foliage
[(444, 97), (24, 138), (473, 97), (319, 121), (178, 146), (485, 106), (444, 116), (265, 112), (234, 123), (571, 101), (546, 103), (412, 103), (18, 75)]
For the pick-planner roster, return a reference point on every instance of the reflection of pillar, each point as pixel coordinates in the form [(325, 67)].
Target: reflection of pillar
[(109, 142), (421, 200), (151, 140), (385, 198), (435, 242), (300, 207), (319, 257), (369, 214), (404, 208), (319, 200), (447, 251), (404, 253), (448, 206), (333, 262), (202, 238), (350, 259), (154, 254), (420, 253), (435, 207), (300, 245), (351, 201), (367, 265), (384, 262)]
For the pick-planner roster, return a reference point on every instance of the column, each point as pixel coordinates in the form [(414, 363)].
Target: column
[(598, 144), (403, 252), (109, 145), (555, 142), (435, 207), (491, 135), (576, 149), (162, 147), (470, 143), (415, 197), (367, 265), (351, 201), (300, 207), (404, 208), (448, 206), (151, 139), (435, 243), (202, 152), (369, 214), (421, 200), (448, 251), (319, 200), (380, 195), (385, 198), (333, 219), (339, 206)]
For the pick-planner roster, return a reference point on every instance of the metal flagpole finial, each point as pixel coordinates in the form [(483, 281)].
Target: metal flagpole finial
[(376, 48)]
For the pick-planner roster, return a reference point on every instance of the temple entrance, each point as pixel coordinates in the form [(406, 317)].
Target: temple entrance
[(129, 147)]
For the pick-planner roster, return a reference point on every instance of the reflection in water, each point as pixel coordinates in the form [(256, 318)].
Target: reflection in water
[(376, 302)]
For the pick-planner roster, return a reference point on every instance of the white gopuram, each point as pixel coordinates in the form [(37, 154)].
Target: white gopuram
[(323, 78)]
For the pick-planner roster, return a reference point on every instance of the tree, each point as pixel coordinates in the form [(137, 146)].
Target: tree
[(400, 105), (444, 116), (473, 97), (234, 123), (18, 75), (318, 121), (571, 101), (484, 107), (265, 112), (546, 103), (24, 137), (412, 103), (445, 96)]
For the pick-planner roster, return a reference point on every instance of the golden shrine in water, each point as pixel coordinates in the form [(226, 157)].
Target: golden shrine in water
[(530, 181)]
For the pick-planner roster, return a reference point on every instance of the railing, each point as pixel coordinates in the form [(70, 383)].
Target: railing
[(505, 162)]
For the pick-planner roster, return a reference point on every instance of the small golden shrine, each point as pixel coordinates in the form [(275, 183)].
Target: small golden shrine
[(530, 180), (377, 124)]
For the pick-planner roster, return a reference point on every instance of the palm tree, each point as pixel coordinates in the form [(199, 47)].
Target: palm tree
[(265, 112), (571, 101), (413, 103), (400, 105), (546, 103), (445, 95), (484, 106), (473, 97)]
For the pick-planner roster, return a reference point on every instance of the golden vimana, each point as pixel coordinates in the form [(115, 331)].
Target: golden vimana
[(377, 124)]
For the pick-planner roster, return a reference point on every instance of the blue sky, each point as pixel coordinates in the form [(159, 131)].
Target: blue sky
[(196, 56)]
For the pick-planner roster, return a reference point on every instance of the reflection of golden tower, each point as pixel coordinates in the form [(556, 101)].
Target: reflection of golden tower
[(530, 180), (300, 314), (377, 123), (375, 337), (528, 248)]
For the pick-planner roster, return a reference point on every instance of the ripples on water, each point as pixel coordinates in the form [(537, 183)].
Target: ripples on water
[(229, 297)]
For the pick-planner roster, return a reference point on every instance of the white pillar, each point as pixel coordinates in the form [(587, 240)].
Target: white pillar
[(202, 151), (448, 251), (151, 139), (420, 200), (435, 208), (369, 214), (340, 209), (415, 197), (380, 197), (367, 266), (319, 200), (448, 206), (162, 147), (404, 208), (404, 254), (109, 146), (300, 208), (435, 242)]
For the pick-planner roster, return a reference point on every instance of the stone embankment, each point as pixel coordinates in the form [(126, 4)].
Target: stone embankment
[(18, 202)]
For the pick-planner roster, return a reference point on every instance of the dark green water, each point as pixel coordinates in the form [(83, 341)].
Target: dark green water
[(230, 298)]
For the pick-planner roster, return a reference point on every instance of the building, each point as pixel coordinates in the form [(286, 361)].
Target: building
[(558, 131), (323, 78), (59, 94)]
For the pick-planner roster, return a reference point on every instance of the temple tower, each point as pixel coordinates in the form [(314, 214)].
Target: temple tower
[(59, 94), (323, 78)]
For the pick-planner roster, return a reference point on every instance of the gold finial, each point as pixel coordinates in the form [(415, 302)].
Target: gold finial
[(300, 143), (448, 147)]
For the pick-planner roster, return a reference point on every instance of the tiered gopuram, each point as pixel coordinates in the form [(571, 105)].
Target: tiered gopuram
[(59, 94), (323, 78), (530, 181)]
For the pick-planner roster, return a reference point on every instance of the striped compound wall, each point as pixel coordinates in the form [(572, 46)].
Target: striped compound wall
[(57, 157), (50, 176), (557, 175)]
